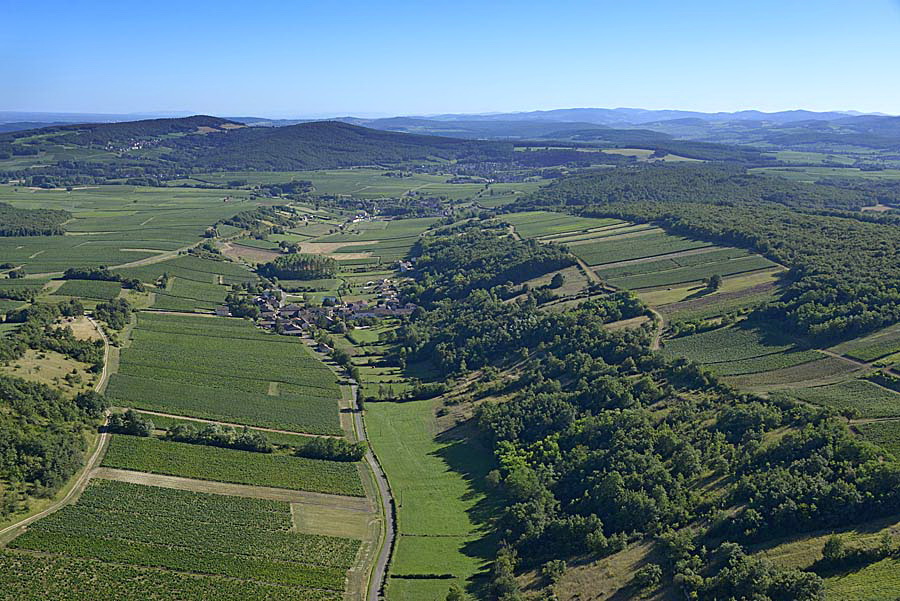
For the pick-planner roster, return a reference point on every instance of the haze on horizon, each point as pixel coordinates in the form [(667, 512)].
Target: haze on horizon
[(404, 58)]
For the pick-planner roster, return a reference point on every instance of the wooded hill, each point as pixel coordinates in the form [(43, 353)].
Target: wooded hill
[(163, 148)]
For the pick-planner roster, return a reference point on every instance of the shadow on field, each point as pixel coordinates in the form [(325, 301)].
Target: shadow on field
[(465, 453)]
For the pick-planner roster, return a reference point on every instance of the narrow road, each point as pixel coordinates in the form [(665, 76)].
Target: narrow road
[(92, 462), (379, 569)]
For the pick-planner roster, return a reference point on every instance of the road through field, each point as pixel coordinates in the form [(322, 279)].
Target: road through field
[(379, 570), (93, 461)]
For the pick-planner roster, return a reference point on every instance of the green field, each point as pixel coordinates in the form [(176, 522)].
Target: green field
[(228, 465), (94, 289), (222, 368), (373, 231), (728, 344), (189, 267), (638, 246), (113, 225), (868, 399), (366, 183), (183, 531), (872, 347), (693, 273), (879, 581), (535, 224), (26, 576), (435, 480), (885, 434)]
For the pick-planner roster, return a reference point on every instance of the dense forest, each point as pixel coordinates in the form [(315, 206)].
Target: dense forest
[(845, 271), (453, 265), (31, 222), (41, 438), (604, 442)]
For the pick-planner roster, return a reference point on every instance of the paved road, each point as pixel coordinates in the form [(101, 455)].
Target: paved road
[(379, 570)]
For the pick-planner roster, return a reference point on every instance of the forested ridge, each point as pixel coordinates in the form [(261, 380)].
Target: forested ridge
[(601, 442), (844, 271)]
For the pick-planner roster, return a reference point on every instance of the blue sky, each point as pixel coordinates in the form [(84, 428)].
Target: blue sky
[(296, 58)]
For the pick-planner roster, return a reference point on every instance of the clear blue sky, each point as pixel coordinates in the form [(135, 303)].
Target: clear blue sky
[(297, 58)]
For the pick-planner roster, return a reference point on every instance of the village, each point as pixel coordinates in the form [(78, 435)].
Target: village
[(293, 319)]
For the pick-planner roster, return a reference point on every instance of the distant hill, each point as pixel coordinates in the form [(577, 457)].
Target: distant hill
[(165, 148), (619, 117), (322, 144)]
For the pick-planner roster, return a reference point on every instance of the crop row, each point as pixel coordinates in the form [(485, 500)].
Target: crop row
[(90, 289), (286, 411), (311, 549), (26, 576), (868, 399), (182, 558), (185, 505), (727, 344), (636, 247), (694, 273), (228, 465), (712, 256), (764, 363)]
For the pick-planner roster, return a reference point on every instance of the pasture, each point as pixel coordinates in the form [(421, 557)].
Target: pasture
[(229, 465), (221, 368), (434, 477)]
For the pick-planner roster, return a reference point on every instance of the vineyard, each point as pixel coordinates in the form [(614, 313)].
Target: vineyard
[(218, 536), (219, 368), (868, 400), (89, 289), (227, 465)]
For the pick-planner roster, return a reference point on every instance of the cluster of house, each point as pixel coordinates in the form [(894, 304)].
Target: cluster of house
[(293, 319)]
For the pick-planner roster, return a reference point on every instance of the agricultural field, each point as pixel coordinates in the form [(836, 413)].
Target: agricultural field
[(867, 399), (885, 433), (696, 301), (189, 267), (881, 344), (812, 373), (27, 576), (636, 245), (175, 531), (189, 296), (691, 268), (360, 183), (228, 465), (735, 343), (371, 242), (431, 476), (812, 174), (161, 423), (536, 224), (93, 289), (113, 225), (222, 368)]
